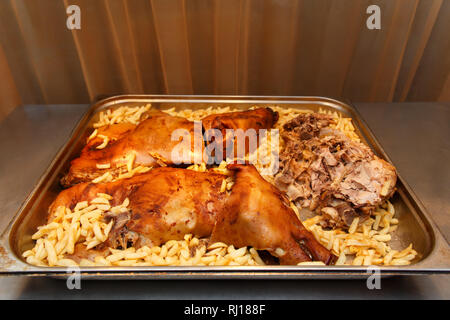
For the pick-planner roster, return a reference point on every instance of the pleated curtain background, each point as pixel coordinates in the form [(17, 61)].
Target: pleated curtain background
[(247, 47)]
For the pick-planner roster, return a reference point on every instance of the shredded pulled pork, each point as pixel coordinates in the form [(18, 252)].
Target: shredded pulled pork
[(324, 170)]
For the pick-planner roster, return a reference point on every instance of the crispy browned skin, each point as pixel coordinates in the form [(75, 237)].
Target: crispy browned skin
[(113, 132), (165, 204), (152, 136), (257, 214), (261, 118)]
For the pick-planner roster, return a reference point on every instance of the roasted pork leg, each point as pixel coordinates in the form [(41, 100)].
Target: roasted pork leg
[(229, 123), (257, 214), (167, 203), (151, 142)]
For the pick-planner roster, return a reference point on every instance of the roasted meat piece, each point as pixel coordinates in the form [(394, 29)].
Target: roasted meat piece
[(150, 141), (257, 214), (167, 203), (113, 132), (323, 169), (256, 119)]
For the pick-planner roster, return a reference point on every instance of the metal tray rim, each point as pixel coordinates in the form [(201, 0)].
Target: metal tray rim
[(425, 266)]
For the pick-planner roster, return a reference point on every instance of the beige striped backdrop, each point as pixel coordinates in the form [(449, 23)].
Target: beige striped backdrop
[(256, 47)]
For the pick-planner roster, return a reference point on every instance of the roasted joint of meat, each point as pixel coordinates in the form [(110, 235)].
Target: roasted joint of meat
[(256, 119), (113, 132), (322, 169), (257, 214), (152, 144), (167, 203), (150, 141)]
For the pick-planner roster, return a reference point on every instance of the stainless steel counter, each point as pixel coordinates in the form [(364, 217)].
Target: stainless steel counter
[(415, 135)]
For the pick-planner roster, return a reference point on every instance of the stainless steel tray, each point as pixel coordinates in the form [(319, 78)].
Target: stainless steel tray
[(415, 225)]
